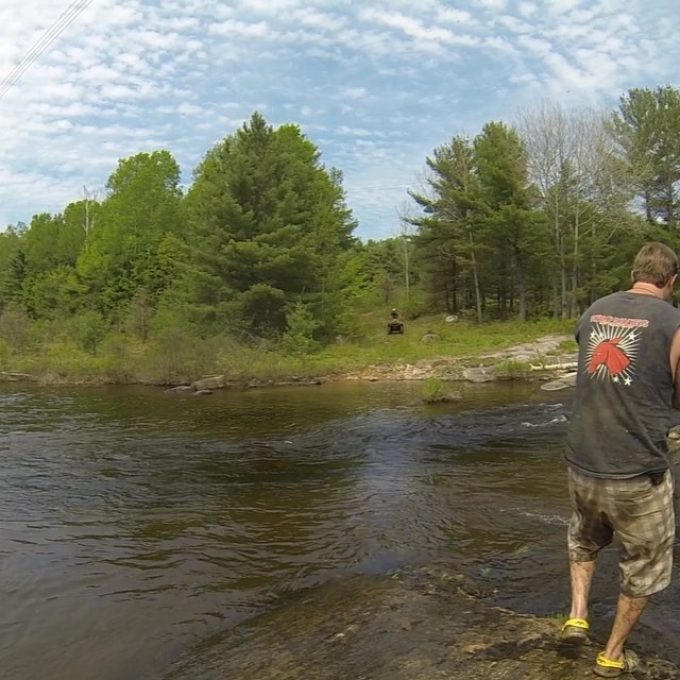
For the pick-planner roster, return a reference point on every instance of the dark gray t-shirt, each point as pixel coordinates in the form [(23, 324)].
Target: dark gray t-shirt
[(624, 388)]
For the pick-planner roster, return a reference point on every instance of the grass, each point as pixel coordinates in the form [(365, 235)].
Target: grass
[(455, 340), (179, 358), (436, 391), (511, 369)]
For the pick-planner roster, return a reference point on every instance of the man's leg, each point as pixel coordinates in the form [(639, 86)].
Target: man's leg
[(581, 578), (628, 612)]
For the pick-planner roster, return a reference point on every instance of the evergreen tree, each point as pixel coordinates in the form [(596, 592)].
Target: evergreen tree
[(516, 229), (267, 224), (450, 239), (647, 130)]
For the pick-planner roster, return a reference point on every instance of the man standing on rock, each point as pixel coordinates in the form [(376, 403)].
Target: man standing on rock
[(619, 476)]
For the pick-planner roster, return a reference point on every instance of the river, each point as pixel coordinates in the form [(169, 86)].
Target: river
[(135, 524)]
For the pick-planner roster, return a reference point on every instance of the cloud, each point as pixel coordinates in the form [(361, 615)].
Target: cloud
[(233, 28), (353, 93), (527, 9), (376, 84), (454, 16), (319, 20), (494, 4), (411, 27)]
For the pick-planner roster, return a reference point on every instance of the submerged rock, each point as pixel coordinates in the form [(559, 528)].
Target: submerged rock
[(562, 383), (180, 389), (420, 625)]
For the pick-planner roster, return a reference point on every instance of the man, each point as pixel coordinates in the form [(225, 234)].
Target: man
[(619, 477)]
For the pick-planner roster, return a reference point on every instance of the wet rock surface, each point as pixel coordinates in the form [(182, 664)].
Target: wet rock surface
[(424, 624)]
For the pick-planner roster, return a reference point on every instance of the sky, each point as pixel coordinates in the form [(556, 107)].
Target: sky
[(375, 85)]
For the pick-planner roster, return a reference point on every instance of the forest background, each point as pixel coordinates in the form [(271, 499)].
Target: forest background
[(254, 271)]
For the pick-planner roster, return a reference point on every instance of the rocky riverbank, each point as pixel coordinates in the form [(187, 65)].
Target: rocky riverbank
[(425, 624), (538, 360)]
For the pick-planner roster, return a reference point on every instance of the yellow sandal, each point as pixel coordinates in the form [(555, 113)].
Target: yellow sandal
[(574, 631), (607, 668)]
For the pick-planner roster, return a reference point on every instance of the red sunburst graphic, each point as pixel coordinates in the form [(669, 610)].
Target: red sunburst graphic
[(608, 354)]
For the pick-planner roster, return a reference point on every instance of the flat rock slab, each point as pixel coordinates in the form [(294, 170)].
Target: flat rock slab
[(422, 625), (528, 351), (562, 383)]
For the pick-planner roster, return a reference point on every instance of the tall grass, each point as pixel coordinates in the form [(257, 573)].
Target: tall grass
[(175, 355)]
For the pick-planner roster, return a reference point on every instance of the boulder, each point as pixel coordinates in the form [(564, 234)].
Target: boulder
[(481, 374), (214, 382), (429, 337)]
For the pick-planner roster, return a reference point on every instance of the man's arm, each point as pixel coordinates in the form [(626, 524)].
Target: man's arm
[(674, 360)]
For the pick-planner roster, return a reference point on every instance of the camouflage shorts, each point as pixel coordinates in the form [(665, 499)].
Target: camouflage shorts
[(640, 514)]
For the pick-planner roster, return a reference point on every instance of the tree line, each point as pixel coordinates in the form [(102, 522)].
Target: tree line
[(543, 217), (525, 220)]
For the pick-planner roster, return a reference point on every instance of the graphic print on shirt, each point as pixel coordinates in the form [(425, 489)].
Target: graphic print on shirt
[(613, 347)]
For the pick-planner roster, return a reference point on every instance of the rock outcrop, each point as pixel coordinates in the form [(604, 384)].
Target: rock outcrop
[(419, 625)]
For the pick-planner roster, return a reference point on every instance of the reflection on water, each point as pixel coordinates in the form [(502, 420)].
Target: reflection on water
[(136, 523)]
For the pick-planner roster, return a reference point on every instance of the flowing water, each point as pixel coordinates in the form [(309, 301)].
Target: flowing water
[(135, 524)]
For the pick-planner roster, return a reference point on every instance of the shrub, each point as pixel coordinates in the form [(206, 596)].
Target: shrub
[(434, 391), (299, 336), (512, 369)]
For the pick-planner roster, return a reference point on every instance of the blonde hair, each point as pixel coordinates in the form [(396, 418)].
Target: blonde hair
[(655, 263)]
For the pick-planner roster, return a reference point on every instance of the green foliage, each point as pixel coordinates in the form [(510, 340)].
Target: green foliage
[(15, 327), (262, 308), (647, 130), (512, 369), (118, 352), (132, 243), (53, 294), (480, 233), (88, 329), (267, 224), (256, 270), (301, 326), (5, 354), (434, 390), (139, 314), (450, 234), (13, 275)]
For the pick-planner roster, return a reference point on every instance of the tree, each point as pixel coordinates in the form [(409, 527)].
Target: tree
[(571, 162), (647, 130), (448, 241), (300, 330), (516, 228), (267, 224), (123, 250), (12, 267)]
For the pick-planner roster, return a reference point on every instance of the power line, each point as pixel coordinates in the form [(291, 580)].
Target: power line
[(65, 19), (39, 47)]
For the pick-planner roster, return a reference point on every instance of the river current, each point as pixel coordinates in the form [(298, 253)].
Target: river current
[(135, 524)]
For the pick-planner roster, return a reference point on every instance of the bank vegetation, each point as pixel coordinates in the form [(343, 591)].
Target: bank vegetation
[(255, 269)]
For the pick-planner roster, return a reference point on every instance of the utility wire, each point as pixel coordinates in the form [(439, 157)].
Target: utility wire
[(65, 19), (40, 45)]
